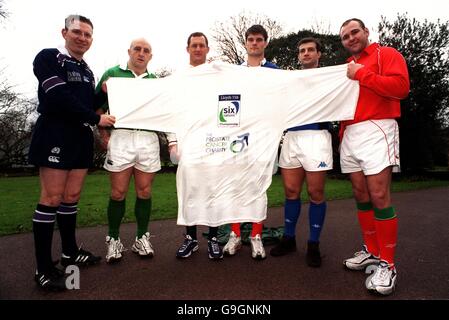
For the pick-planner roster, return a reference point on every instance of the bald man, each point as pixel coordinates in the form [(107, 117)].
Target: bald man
[(130, 152)]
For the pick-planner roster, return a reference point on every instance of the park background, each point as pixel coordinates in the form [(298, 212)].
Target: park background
[(422, 36)]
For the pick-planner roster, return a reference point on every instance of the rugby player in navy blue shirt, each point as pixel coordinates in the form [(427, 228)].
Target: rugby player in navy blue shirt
[(62, 147)]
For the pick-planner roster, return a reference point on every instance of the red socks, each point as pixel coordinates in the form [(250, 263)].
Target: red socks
[(365, 214), (387, 233), (236, 228), (256, 229)]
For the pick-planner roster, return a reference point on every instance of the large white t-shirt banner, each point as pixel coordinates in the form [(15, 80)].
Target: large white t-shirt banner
[(228, 120)]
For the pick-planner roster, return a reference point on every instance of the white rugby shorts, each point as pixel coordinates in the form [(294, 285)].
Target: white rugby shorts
[(370, 146), (310, 149), (133, 148)]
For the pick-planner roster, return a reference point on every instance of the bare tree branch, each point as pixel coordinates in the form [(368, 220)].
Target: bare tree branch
[(230, 35), (16, 123), (3, 12)]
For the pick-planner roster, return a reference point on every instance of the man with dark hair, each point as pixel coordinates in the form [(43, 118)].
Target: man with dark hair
[(256, 40), (197, 35), (369, 150), (360, 22), (73, 17), (197, 48), (62, 147), (306, 154), (315, 43), (257, 29)]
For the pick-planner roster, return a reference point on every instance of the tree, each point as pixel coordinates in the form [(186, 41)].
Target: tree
[(163, 72), (16, 122), (230, 35), (425, 113), (3, 12)]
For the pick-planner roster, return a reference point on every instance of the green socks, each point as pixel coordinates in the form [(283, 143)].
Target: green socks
[(142, 211), (116, 211)]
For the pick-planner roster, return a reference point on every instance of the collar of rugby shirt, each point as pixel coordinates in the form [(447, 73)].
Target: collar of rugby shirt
[(124, 67), (245, 63), (64, 51)]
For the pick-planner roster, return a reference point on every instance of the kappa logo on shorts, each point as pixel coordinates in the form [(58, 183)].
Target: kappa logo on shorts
[(53, 159), (55, 150), (322, 165)]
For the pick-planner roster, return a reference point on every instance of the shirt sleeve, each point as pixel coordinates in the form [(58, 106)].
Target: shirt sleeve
[(393, 80), (319, 95), (171, 138), (143, 104), (56, 92)]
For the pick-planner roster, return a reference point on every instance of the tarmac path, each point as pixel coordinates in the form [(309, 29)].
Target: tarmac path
[(422, 261)]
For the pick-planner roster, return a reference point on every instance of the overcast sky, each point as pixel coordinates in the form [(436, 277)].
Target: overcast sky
[(33, 25)]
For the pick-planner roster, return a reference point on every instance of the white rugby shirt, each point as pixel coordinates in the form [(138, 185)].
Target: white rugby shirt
[(228, 121)]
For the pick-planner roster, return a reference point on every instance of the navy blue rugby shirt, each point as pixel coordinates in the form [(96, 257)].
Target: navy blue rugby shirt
[(66, 87)]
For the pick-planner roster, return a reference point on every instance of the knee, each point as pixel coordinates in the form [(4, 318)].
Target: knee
[(292, 191), (117, 194), (380, 198), (360, 194), (51, 201), (291, 194), (143, 193), (316, 195), (72, 197)]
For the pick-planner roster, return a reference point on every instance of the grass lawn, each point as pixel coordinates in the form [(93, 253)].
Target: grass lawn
[(19, 196)]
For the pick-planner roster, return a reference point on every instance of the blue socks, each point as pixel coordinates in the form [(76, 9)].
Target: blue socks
[(292, 210), (317, 213)]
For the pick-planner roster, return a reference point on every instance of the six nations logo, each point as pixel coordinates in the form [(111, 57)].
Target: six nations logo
[(229, 110)]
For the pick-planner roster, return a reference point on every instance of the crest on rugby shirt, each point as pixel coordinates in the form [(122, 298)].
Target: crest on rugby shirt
[(229, 107)]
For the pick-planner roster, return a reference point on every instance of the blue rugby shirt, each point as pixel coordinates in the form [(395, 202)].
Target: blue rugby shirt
[(66, 87)]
